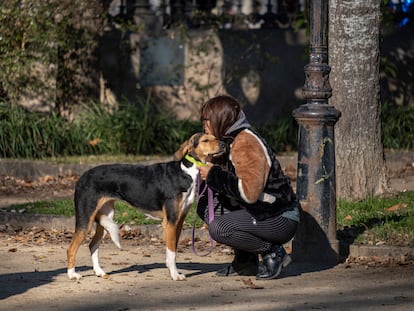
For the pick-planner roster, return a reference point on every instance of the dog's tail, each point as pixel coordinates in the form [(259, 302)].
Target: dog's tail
[(111, 227), (106, 220)]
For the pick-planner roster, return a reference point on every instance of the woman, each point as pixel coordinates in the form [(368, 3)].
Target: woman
[(256, 210)]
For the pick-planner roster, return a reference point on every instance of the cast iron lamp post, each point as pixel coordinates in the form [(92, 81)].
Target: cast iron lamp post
[(316, 179)]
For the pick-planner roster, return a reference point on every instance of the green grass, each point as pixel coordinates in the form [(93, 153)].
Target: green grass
[(373, 221), (376, 221), (124, 213)]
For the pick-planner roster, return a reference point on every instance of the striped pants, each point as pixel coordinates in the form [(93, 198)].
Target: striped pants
[(234, 226)]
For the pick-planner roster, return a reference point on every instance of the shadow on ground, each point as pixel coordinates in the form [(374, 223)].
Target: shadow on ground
[(20, 282)]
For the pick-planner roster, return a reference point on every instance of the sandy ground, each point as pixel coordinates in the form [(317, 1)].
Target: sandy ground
[(33, 277)]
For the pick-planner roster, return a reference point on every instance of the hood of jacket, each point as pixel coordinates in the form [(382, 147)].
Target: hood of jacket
[(241, 123)]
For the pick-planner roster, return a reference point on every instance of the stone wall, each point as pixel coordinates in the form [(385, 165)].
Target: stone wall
[(263, 68)]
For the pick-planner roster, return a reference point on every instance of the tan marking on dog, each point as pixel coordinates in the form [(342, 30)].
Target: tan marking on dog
[(77, 240), (172, 230)]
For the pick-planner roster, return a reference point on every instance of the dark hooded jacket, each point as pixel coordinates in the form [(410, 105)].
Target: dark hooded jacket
[(252, 176)]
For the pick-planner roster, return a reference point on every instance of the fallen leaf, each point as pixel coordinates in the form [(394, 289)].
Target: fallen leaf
[(250, 284), (348, 217), (95, 141), (46, 178), (397, 207)]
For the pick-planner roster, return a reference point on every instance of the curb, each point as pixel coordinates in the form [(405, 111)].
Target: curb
[(37, 168), (380, 251), (26, 221)]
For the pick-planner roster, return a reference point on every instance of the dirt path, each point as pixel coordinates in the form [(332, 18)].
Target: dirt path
[(33, 277)]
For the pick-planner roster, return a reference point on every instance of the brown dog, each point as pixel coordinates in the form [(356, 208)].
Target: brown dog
[(165, 188)]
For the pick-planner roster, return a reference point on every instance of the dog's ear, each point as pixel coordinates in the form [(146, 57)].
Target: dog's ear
[(182, 151), (187, 147)]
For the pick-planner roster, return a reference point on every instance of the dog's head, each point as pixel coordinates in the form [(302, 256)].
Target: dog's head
[(202, 147)]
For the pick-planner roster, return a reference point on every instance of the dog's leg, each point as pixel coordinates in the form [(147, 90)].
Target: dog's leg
[(94, 248), (105, 223), (171, 250), (77, 240)]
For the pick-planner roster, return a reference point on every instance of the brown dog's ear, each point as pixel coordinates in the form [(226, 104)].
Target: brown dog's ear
[(182, 151), (187, 147)]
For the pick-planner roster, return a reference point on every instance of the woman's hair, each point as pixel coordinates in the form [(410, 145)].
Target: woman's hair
[(222, 111)]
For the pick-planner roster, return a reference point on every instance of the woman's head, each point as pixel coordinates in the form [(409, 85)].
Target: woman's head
[(219, 113)]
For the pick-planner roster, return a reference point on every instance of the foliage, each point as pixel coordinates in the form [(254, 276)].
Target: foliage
[(138, 129), (281, 135), (131, 129), (134, 129), (397, 126), (58, 37), (26, 135)]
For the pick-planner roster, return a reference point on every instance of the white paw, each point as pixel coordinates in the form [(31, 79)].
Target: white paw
[(170, 263), (72, 275), (178, 277), (99, 272)]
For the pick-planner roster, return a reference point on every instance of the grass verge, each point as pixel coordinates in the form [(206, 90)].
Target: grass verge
[(373, 221), (377, 221)]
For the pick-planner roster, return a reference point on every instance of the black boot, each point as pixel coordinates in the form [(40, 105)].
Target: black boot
[(244, 263), (273, 261)]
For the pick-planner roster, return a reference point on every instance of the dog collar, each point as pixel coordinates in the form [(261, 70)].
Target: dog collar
[(196, 162)]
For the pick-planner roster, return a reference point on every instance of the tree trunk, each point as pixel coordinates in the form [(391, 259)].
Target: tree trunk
[(354, 32)]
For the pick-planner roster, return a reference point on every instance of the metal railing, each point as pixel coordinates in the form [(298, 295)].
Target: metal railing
[(224, 14)]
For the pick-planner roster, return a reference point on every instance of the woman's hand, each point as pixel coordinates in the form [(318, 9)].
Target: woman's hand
[(204, 170)]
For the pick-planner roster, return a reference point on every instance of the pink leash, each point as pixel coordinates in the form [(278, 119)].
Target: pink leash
[(210, 214)]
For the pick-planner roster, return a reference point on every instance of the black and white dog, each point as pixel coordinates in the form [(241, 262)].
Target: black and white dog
[(168, 189)]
